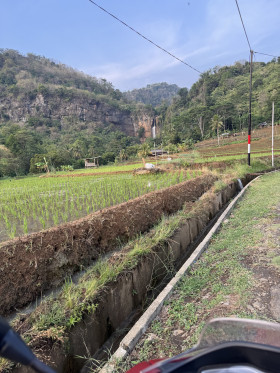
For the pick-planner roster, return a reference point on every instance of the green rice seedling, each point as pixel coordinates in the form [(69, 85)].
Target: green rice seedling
[(47, 214), (181, 176), (8, 225), (43, 222), (25, 226), (55, 218), (47, 202), (12, 233)]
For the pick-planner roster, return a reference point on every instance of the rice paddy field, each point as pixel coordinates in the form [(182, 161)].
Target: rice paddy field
[(31, 204), (104, 169)]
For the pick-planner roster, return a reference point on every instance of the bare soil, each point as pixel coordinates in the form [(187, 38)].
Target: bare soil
[(37, 262), (117, 299)]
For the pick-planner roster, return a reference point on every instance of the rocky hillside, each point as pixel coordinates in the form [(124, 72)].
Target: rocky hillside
[(51, 111), (153, 94), (40, 92)]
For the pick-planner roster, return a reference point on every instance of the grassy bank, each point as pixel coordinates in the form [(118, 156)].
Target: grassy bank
[(195, 157), (233, 277)]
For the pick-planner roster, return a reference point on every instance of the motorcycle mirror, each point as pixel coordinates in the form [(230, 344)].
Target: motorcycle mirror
[(13, 348)]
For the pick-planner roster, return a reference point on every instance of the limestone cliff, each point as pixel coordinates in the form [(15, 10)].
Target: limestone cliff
[(34, 87), (81, 109)]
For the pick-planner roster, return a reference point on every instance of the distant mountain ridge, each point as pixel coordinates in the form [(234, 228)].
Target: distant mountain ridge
[(153, 94), (224, 91), (35, 87)]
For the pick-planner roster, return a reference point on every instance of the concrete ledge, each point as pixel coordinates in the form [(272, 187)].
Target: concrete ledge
[(140, 327)]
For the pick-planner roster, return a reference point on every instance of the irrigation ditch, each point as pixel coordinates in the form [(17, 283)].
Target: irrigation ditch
[(40, 261)]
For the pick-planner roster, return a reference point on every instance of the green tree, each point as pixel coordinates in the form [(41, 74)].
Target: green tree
[(54, 158), (141, 132), (107, 157), (122, 155), (24, 144), (216, 124), (7, 78), (184, 97), (79, 148), (143, 151)]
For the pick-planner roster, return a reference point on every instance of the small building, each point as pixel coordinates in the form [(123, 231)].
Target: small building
[(91, 162), (157, 152), (226, 134)]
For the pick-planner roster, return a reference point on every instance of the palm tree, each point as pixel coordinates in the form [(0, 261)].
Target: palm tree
[(216, 124), (143, 152), (122, 155)]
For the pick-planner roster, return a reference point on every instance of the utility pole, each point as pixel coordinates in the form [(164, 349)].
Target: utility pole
[(272, 141), (250, 109)]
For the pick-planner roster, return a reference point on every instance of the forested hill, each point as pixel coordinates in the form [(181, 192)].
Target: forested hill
[(153, 94), (51, 109), (223, 91), (36, 87), (26, 72)]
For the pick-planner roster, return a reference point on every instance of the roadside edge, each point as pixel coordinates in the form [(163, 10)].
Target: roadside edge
[(136, 332)]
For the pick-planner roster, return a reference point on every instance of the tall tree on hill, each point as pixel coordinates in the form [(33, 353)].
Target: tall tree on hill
[(216, 124), (24, 144)]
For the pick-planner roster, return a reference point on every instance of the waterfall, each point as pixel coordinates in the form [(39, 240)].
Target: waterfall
[(240, 184)]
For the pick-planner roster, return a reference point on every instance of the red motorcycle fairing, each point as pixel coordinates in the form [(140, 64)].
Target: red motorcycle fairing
[(139, 367)]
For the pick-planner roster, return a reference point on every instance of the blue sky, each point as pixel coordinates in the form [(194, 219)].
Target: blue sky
[(204, 33)]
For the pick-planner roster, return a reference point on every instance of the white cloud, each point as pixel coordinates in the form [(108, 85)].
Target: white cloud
[(221, 39), (120, 74), (215, 39), (163, 32)]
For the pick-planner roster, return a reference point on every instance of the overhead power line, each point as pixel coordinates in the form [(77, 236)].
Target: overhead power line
[(144, 37), (265, 54), (243, 24), (250, 94)]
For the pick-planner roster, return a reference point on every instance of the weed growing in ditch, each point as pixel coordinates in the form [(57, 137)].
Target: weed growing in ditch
[(220, 283), (223, 262), (56, 314), (219, 185)]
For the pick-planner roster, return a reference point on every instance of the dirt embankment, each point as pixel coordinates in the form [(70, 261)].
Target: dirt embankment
[(226, 163), (40, 261), (118, 300), (238, 276)]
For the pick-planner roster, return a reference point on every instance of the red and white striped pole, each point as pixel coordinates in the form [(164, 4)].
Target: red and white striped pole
[(250, 109), (249, 148)]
